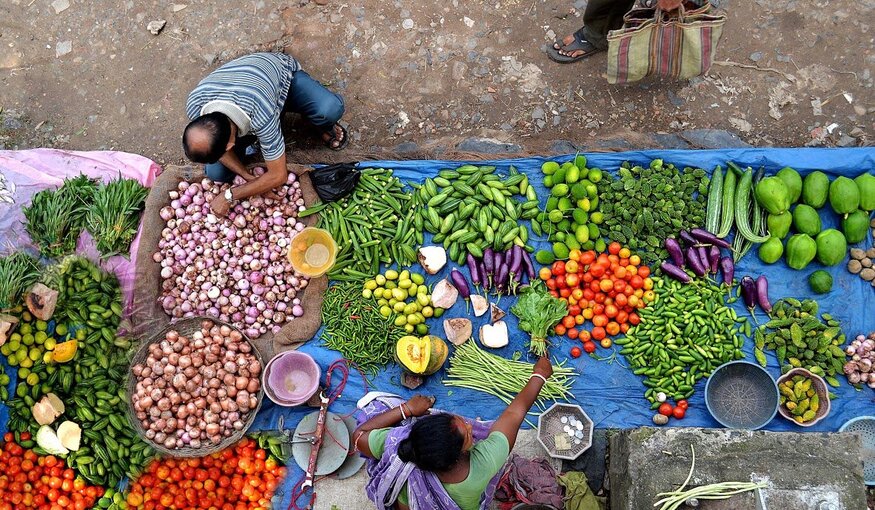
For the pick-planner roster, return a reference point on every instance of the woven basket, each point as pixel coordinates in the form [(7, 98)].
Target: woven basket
[(186, 327)]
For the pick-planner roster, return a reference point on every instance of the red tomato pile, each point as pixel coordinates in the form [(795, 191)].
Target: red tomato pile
[(28, 480), (237, 478), (678, 411), (606, 288)]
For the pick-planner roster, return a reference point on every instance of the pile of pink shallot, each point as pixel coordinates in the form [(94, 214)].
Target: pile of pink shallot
[(860, 369), (234, 269), (195, 391)]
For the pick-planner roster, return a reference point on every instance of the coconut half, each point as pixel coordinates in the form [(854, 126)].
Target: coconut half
[(49, 441), (47, 409), (41, 301), (480, 304), (70, 435), (494, 335), (7, 326), (432, 258), (458, 331), (444, 295)]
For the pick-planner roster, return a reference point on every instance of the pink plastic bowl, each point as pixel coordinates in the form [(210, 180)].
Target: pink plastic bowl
[(291, 378)]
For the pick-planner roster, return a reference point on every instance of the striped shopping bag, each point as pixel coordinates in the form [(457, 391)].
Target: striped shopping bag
[(677, 45)]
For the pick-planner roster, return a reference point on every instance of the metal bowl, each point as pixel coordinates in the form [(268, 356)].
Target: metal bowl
[(741, 395), (187, 327), (865, 426)]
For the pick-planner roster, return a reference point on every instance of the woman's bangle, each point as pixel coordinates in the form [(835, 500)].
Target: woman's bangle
[(539, 376), (403, 416)]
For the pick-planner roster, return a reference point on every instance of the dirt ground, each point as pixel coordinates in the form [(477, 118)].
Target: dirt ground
[(89, 75)]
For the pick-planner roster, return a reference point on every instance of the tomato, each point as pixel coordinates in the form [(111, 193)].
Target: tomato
[(614, 248), (649, 296), (558, 268), (575, 352), (612, 328), (620, 272), (624, 327), (544, 273), (578, 294), (634, 260), (597, 271), (560, 282), (560, 330), (600, 298), (584, 336), (634, 319), (683, 404), (598, 333), (587, 313), (665, 409), (600, 320), (622, 317), (572, 333), (551, 284), (565, 292), (571, 266), (605, 285), (679, 412), (579, 319), (606, 343), (568, 321), (619, 286), (611, 311), (636, 282), (621, 300), (589, 347), (643, 271), (572, 280)]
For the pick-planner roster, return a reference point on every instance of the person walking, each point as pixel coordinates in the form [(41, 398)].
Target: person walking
[(243, 101)]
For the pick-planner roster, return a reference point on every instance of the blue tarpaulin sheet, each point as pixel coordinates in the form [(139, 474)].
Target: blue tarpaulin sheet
[(609, 393)]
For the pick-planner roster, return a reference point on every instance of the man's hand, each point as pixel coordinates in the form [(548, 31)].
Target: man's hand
[(419, 405), (543, 367), (220, 206), (271, 195)]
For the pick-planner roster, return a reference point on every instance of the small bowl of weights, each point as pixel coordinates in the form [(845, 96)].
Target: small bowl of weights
[(804, 397)]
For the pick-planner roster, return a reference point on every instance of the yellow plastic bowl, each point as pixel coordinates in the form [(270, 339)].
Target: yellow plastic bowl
[(312, 252)]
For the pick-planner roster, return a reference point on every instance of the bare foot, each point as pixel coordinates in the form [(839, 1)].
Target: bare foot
[(334, 138)]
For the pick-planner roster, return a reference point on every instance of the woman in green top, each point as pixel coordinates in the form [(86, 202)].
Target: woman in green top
[(437, 462)]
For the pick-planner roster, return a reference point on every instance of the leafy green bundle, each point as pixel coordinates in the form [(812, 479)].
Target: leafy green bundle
[(56, 217), (538, 311), (114, 215)]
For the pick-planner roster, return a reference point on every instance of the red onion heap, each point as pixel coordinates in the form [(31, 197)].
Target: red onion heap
[(195, 391), (235, 268)]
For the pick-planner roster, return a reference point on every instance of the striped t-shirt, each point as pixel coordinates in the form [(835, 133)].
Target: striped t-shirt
[(251, 91)]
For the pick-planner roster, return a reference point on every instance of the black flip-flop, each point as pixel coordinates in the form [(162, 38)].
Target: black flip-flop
[(579, 43), (343, 142)]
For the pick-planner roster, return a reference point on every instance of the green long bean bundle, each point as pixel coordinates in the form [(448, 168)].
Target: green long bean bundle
[(17, 272), (56, 217), (473, 368), (355, 327), (114, 215)]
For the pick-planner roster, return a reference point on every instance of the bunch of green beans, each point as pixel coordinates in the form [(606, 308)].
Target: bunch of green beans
[(355, 327), (686, 333), (374, 224), (55, 217), (114, 215), (473, 368)]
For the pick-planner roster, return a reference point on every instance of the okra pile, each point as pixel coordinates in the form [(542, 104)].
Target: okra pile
[(372, 225), (684, 334), (473, 208), (800, 339)]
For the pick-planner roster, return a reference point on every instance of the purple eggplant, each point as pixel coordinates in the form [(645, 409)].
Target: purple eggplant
[(529, 266), (458, 281), (675, 272), (489, 266), (702, 252), (476, 279), (728, 267), (675, 252), (703, 236), (688, 239), (749, 293), (501, 275), (762, 293), (514, 263), (714, 258), (695, 263), (485, 280)]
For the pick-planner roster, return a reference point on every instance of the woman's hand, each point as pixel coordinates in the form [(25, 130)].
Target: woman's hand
[(419, 405), (543, 367)]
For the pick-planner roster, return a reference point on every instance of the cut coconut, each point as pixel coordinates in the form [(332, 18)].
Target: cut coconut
[(41, 301), (444, 295), (7, 326), (50, 442), (480, 304), (458, 330), (494, 335), (70, 434), (432, 258), (496, 312), (47, 409)]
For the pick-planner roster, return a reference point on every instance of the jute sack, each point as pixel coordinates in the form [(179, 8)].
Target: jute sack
[(148, 315)]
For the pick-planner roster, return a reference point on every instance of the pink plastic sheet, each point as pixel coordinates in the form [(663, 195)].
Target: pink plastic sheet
[(30, 171)]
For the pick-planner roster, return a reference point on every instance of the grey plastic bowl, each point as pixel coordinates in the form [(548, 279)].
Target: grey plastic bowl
[(741, 395)]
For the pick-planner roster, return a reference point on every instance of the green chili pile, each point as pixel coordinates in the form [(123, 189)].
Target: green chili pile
[(685, 334), (355, 327), (374, 224), (114, 215), (56, 217), (473, 368)]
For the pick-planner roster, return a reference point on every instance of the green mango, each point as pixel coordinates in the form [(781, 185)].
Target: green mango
[(815, 189), (561, 189), (549, 167), (582, 234), (866, 185), (844, 195), (856, 226), (560, 250), (773, 195), (820, 282), (572, 175), (806, 220), (831, 247), (580, 216), (793, 181), (771, 250), (779, 224), (801, 250)]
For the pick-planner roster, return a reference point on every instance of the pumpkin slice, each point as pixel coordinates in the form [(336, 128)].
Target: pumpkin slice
[(413, 353), (65, 351)]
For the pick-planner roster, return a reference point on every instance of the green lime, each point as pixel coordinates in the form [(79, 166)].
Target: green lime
[(21, 354), (61, 330), (421, 329), (5, 349), (29, 339), (40, 337), (25, 328), (33, 379), (15, 336), (595, 175), (367, 293), (26, 362), (438, 312), (23, 373), (597, 217), (600, 246), (417, 278), (21, 390), (4, 379), (35, 353), (50, 344), (41, 325), (549, 167), (81, 334)]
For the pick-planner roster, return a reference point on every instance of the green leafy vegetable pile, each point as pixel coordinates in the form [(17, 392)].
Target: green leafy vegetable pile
[(538, 311)]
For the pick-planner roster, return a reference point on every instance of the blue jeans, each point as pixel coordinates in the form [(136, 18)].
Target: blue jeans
[(307, 97)]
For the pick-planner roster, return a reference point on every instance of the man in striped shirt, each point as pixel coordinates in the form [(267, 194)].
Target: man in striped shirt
[(243, 101)]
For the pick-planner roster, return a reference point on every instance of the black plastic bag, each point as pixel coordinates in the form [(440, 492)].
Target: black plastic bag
[(336, 181)]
